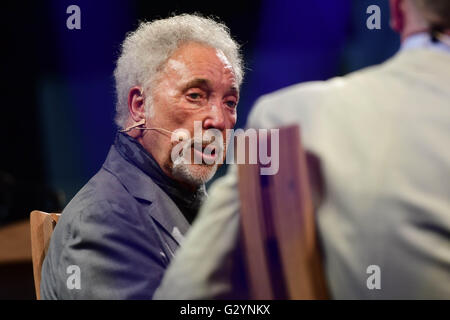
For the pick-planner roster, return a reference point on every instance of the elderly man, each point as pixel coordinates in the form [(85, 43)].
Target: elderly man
[(116, 237), (382, 135)]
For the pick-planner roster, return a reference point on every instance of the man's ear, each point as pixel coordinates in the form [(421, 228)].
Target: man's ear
[(397, 20), (136, 104)]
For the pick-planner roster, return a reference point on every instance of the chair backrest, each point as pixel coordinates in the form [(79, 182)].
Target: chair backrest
[(41, 225), (279, 231)]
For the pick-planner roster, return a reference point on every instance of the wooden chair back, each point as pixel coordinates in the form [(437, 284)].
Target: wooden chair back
[(41, 225), (279, 231)]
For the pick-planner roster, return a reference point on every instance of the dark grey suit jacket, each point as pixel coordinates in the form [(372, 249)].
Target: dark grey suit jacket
[(121, 230)]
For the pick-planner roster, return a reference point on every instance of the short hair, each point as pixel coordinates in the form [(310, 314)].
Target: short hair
[(145, 51), (435, 12)]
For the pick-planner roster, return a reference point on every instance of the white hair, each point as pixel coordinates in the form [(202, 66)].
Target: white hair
[(146, 50)]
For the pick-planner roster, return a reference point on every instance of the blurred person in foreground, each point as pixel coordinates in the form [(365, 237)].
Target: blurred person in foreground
[(382, 135), (118, 234)]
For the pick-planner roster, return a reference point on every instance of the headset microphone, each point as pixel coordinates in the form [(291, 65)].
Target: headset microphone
[(181, 135)]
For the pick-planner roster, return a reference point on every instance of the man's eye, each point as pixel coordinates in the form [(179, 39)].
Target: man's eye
[(194, 96), (231, 104)]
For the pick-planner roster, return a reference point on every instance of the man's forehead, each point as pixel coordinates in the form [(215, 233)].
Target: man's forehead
[(190, 73), (203, 82)]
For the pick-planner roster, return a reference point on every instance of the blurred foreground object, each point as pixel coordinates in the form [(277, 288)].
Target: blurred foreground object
[(279, 229)]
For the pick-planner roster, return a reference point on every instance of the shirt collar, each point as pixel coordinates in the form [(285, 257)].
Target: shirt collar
[(423, 40)]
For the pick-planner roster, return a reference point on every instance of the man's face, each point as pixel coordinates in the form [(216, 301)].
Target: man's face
[(196, 84)]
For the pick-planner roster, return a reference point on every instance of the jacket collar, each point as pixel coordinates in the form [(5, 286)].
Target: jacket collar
[(187, 201), (142, 187)]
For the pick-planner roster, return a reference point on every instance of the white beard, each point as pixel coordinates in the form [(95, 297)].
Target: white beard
[(194, 174)]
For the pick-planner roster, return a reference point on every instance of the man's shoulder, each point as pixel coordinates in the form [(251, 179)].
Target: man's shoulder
[(103, 186), (291, 103), (304, 100), (102, 206), (102, 195), (100, 226), (287, 94), (316, 89)]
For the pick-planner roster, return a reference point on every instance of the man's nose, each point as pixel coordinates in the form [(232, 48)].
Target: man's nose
[(216, 118)]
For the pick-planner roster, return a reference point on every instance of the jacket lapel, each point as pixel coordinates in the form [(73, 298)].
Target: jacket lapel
[(141, 186)]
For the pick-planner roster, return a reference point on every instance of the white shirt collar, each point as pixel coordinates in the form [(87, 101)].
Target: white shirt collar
[(423, 40)]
